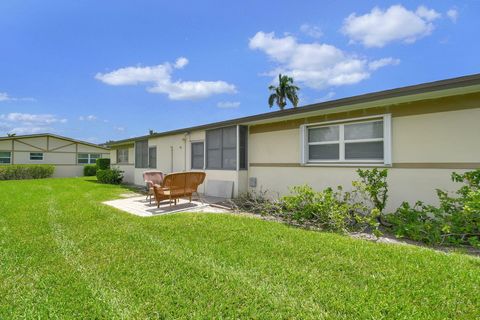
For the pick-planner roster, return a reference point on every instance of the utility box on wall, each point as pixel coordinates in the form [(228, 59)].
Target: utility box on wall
[(252, 182)]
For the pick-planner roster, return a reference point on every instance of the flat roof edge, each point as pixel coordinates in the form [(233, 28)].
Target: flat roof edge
[(439, 85)]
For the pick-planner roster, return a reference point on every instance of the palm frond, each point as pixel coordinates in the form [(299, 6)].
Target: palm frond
[(271, 99)]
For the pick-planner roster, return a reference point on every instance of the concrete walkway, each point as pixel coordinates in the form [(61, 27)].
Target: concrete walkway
[(137, 204)]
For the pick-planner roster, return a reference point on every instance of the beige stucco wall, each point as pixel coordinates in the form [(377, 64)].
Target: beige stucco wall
[(435, 138), (178, 148), (404, 184), (59, 152)]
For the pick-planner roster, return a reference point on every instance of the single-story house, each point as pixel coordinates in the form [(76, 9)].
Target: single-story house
[(421, 133), (66, 154)]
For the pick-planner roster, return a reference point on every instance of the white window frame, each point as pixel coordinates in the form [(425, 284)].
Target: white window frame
[(387, 142), (9, 157), (36, 155), (126, 150), (89, 158)]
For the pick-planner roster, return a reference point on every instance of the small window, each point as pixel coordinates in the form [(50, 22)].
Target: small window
[(37, 156), (88, 158), (362, 141), (122, 156), (141, 154), (222, 148), (197, 155), (5, 157), (243, 147), (152, 157)]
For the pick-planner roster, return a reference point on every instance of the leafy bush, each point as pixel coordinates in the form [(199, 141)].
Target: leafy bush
[(455, 221), (26, 171), (373, 187), (103, 163), (90, 170), (332, 210), (111, 176)]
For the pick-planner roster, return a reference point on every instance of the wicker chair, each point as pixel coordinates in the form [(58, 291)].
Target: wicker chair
[(178, 185), (152, 178)]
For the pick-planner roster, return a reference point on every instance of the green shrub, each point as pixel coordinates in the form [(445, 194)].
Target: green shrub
[(26, 171), (373, 187), (111, 176), (333, 210), (455, 221), (103, 163), (90, 170)]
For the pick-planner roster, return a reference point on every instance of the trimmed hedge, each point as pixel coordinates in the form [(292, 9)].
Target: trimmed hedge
[(26, 171), (89, 170), (110, 176), (103, 163)]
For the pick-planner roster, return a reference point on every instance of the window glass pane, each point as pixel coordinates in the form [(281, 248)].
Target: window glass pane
[(152, 157), (197, 149), (230, 137), (214, 139), (230, 158), (243, 147), (364, 150), (141, 154), (83, 161), (83, 155), (323, 134), (36, 156), (95, 155), (5, 157), (366, 130), (197, 155), (197, 162), (324, 152), (214, 159), (122, 155)]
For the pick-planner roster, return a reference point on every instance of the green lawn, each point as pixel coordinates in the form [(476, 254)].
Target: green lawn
[(65, 255)]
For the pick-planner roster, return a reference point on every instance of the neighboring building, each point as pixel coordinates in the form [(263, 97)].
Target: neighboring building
[(67, 155), (421, 133)]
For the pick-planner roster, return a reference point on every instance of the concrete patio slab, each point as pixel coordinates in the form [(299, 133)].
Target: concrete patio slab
[(138, 205)]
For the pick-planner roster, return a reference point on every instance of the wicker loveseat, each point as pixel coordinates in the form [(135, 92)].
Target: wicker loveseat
[(178, 185)]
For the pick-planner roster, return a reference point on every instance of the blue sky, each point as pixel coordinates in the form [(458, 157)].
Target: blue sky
[(102, 70)]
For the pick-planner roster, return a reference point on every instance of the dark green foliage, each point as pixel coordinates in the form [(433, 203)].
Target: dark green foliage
[(455, 221), (332, 210), (285, 90), (26, 171), (103, 163), (110, 176), (90, 170), (374, 184)]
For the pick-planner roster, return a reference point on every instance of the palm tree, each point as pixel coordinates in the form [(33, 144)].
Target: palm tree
[(285, 90)]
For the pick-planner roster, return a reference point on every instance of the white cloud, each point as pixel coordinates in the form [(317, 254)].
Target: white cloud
[(181, 62), (90, 117), (315, 65), (6, 97), (26, 123), (328, 96), (160, 78), (380, 63), (119, 129), (452, 14), (228, 104), (312, 31), (32, 118), (379, 27)]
